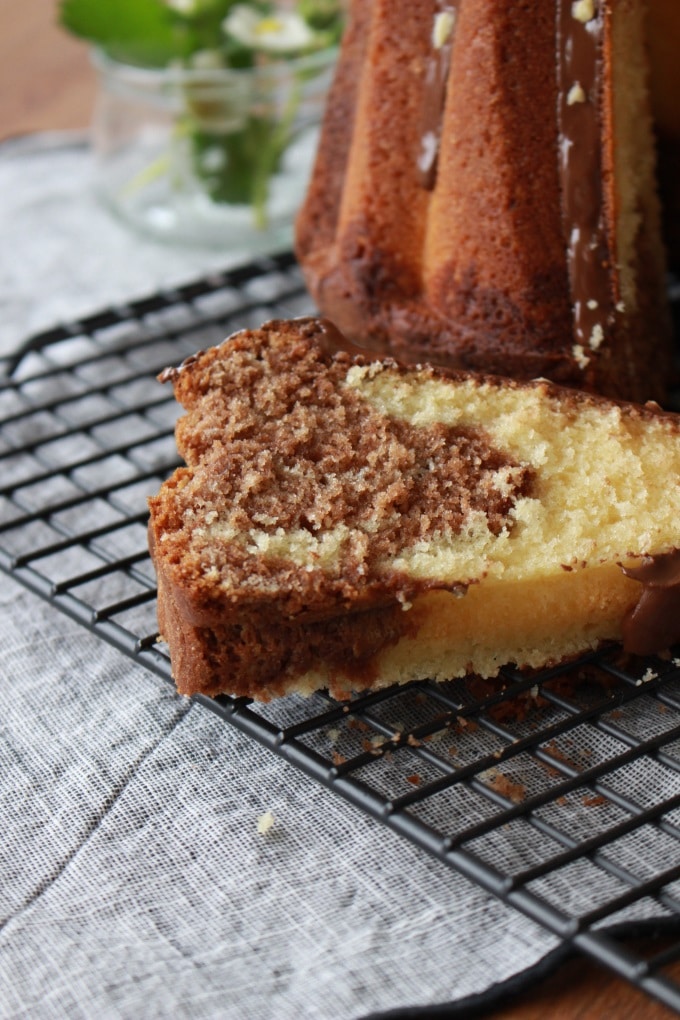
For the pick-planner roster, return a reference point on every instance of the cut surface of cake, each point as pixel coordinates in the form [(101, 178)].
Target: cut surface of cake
[(484, 194), (348, 523)]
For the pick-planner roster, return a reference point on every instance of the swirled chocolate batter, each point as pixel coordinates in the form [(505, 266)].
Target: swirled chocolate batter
[(292, 450)]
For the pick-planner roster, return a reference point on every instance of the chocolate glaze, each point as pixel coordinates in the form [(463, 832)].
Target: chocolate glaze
[(579, 63), (653, 625), (434, 99), (170, 374), (332, 341)]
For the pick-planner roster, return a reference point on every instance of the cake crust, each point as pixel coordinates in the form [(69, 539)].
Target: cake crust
[(480, 269)]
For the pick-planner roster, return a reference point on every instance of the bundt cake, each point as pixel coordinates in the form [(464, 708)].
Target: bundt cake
[(349, 523), (484, 193)]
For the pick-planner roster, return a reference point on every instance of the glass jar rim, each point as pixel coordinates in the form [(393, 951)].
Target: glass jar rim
[(146, 76)]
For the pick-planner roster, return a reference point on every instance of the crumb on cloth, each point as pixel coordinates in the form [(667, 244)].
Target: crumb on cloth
[(265, 823)]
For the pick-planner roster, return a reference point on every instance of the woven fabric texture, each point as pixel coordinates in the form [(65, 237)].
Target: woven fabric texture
[(135, 878)]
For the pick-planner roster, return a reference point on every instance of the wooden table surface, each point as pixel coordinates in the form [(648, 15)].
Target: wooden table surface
[(46, 83)]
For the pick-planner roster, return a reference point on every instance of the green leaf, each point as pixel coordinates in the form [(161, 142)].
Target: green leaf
[(141, 32)]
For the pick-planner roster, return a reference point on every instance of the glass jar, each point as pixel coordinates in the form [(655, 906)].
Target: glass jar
[(215, 157)]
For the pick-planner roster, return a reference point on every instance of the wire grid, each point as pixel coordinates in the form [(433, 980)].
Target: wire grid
[(557, 791)]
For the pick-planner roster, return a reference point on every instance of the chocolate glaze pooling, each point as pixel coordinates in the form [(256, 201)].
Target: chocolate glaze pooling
[(653, 625)]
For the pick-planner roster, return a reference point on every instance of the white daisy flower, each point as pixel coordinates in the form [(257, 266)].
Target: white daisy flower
[(182, 6), (278, 33)]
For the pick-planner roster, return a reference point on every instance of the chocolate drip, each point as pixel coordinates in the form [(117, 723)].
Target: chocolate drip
[(434, 95), (653, 625), (332, 341), (579, 82)]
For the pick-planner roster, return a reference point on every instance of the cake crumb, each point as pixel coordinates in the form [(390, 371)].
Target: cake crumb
[(576, 94), (580, 356), (596, 337), (265, 823), (515, 792), (442, 29), (583, 10), (438, 734)]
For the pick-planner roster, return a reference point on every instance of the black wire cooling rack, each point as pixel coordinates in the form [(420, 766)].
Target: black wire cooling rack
[(558, 792)]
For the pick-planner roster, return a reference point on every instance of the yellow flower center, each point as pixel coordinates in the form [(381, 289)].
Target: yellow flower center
[(268, 25)]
